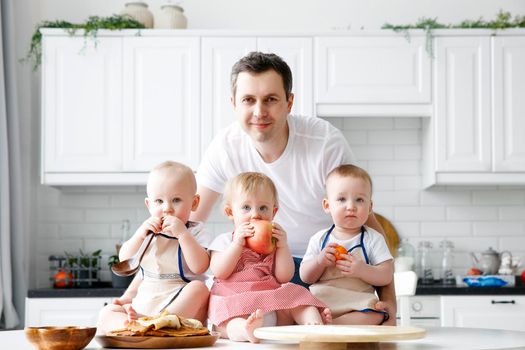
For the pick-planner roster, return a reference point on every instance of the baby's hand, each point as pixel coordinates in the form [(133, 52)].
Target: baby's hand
[(173, 226), (327, 256), (244, 230), (280, 235), (130, 311), (349, 265), (123, 300), (153, 224)]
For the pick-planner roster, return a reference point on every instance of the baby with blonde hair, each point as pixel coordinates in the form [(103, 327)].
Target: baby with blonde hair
[(252, 289)]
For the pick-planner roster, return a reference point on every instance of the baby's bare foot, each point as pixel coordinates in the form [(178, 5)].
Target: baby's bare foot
[(326, 314), (253, 322)]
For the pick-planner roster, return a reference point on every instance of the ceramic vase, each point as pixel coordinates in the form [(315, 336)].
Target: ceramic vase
[(140, 12), (171, 17)]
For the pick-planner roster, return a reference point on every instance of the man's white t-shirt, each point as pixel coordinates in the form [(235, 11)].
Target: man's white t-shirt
[(314, 148)]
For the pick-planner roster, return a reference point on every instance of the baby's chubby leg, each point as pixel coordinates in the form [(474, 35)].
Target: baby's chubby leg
[(192, 302), (307, 315), (360, 318), (240, 329), (111, 317)]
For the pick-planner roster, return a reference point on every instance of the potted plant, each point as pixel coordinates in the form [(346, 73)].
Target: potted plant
[(118, 281), (85, 267)]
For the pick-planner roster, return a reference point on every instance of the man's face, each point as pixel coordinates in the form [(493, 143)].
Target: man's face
[(261, 105)]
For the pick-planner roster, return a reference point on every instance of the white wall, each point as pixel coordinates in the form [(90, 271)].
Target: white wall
[(390, 148), (89, 218)]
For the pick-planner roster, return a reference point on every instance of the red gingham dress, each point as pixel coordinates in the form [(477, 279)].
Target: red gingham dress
[(252, 286)]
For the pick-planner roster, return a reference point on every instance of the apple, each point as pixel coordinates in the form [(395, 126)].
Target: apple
[(262, 241), (523, 276), (474, 272), (338, 251)]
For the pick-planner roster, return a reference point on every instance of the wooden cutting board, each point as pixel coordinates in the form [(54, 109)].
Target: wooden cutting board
[(391, 236), (338, 337)]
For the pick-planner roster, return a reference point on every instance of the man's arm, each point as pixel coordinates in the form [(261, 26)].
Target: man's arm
[(387, 294), (208, 200)]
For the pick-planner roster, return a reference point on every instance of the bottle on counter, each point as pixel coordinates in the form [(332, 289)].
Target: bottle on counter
[(447, 274), (425, 267), (405, 256)]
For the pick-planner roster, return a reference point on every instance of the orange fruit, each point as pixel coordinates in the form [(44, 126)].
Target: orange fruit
[(63, 279), (338, 251)]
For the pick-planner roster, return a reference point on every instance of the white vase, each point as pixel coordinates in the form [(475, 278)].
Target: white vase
[(140, 12), (171, 17)]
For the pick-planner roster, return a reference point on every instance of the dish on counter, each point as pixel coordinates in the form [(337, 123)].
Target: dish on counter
[(150, 342)]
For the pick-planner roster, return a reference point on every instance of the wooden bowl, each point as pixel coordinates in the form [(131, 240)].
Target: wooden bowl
[(60, 338)]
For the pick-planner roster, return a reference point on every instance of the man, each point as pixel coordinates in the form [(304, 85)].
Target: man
[(295, 152)]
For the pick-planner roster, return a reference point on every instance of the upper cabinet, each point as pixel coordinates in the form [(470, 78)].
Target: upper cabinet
[(372, 75), (115, 107), (475, 135)]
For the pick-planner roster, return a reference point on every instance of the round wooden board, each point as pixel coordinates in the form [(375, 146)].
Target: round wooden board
[(129, 342), (337, 336)]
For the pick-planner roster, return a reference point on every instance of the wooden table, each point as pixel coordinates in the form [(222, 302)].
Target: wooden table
[(436, 338)]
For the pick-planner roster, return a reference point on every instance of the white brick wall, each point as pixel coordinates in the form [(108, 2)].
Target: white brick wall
[(474, 218)]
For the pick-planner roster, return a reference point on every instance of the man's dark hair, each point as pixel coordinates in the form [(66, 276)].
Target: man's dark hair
[(259, 62)]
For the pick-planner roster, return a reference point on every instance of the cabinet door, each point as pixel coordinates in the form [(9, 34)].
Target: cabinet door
[(63, 311), (462, 104), (161, 101), (508, 74), (81, 104), (218, 57), (297, 52), (497, 312), (368, 69)]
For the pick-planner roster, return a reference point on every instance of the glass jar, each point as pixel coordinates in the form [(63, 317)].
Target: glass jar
[(405, 256), (425, 266), (139, 11), (447, 274), (171, 17)]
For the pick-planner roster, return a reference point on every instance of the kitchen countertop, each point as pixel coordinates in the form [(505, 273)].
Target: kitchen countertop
[(105, 290), (437, 338)]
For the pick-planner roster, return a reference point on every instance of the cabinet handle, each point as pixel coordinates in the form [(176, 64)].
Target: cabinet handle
[(503, 302)]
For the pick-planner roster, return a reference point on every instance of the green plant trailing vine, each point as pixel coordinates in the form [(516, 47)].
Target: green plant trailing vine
[(503, 20), (90, 27)]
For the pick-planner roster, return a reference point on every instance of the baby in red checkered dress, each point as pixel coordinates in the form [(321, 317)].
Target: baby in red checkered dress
[(251, 289)]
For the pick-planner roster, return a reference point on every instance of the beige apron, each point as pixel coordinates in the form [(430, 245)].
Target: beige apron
[(343, 294), (161, 280)]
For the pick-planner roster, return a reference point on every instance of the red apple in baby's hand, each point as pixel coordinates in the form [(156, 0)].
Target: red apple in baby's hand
[(262, 241)]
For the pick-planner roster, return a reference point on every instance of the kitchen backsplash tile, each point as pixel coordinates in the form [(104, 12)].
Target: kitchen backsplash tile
[(473, 217)]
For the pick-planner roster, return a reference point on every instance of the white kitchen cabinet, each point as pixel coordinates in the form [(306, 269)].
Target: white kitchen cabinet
[(63, 311), (81, 105), (219, 54), (372, 75), (161, 105), (475, 135), (114, 108), (497, 312), (508, 76)]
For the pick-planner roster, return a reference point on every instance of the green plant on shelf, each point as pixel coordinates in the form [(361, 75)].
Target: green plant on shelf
[(503, 20), (83, 260), (90, 27), (113, 259)]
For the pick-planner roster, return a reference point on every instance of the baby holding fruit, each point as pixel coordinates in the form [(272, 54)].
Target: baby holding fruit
[(345, 262), (253, 266), (172, 270)]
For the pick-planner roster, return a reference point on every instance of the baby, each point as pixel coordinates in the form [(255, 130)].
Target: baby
[(251, 289), (344, 278), (171, 271)]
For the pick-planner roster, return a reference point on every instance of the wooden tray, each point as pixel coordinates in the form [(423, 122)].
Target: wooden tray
[(129, 342), (338, 337)]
